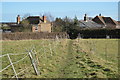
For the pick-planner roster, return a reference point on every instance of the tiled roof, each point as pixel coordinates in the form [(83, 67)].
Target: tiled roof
[(33, 19), (109, 20), (89, 24), (101, 19), (104, 20), (36, 20)]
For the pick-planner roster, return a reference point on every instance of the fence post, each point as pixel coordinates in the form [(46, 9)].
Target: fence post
[(50, 48), (33, 63), (44, 49), (12, 66), (36, 57)]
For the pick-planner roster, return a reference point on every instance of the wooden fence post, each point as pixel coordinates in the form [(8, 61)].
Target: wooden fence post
[(50, 49), (36, 57), (33, 63), (12, 66)]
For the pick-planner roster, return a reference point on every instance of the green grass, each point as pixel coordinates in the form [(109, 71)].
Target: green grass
[(80, 58)]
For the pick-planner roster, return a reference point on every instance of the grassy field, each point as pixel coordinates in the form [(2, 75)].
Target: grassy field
[(63, 58)]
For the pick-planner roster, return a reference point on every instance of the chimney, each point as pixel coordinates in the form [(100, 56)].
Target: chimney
[(18, 19), (85, 17), (44, 19)]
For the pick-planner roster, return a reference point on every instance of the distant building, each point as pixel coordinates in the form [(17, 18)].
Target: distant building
[(88, 23), (98, 22), (107, 22), (39, 24)]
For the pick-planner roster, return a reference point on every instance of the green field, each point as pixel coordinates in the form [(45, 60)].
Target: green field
[(63, 58)]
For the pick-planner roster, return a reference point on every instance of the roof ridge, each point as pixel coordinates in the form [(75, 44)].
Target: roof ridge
[(114, 21), (101, 18)]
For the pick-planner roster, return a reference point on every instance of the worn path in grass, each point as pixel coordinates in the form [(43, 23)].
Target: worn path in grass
[(69, 68), (88, 67), (79, 64)]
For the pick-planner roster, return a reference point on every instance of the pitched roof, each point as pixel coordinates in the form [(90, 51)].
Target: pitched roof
[(104, 20), (109, 20), (33, 19), (101, 18), (36, 20), (89, 24)]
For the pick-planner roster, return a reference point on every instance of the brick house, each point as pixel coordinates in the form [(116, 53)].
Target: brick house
[(39, 24)]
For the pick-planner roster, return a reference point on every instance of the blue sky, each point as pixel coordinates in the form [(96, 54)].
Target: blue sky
[(58, 9)]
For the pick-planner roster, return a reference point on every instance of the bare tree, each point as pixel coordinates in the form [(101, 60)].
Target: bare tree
[(40, 14), (49, 16), (26, 15), (26, 27)]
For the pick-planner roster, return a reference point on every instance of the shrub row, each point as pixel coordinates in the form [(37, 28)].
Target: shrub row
[(95, 33), (31, 35)]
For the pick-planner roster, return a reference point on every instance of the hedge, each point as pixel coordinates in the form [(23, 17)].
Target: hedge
[(32, 35)]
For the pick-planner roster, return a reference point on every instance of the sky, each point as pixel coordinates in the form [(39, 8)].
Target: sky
[(10, 10)]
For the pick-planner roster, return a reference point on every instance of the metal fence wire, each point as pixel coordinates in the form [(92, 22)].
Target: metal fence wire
[(28, 54)]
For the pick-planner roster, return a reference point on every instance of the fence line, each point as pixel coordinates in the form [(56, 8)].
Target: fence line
[(12, 66), (29, 53), (3, 55), (12, 63), (17, 54), (20, 60), (12, 54), (23, 70), (5, 68), (50, 49), (33, 63)]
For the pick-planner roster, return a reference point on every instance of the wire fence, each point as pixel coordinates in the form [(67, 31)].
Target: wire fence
[(32, 55), (13, 63)]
